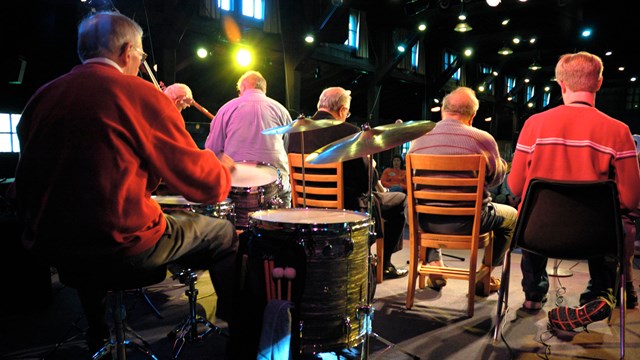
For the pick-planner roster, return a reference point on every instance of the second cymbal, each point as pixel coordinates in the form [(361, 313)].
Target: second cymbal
[(301, 124), (370, 141)]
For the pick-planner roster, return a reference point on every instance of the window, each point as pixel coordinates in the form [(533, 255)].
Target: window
[(253, 9), (633, 99), (250, 8), (449, 59), (8, 135), (354, 30), (546, 99), (531, 92), (510, 84), (415, 50), (487, 71), (226, 5)]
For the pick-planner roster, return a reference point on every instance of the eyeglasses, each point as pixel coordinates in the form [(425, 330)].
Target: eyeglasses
[(348, 112), (143, 55)]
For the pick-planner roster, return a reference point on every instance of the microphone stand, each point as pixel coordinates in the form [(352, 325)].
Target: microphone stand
[(368, 309)]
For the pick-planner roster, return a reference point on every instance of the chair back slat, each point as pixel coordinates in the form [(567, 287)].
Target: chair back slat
[(323, 184)]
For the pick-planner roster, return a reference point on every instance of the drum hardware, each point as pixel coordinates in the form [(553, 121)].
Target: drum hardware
[(254, 186), (302, 124), (328, 269), (366, 143), (187, 330)]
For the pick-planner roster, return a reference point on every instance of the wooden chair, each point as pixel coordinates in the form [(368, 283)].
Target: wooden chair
[(324, 188), (569, 221), (323, 184), (464, 198)]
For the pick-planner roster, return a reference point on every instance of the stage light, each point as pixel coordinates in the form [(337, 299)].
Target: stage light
[(243, 57)]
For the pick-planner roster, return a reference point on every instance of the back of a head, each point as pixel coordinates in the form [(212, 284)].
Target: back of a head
[(333, 98), (103, 34), (461, 101), (178, 91), (581, 71), (252, 80)]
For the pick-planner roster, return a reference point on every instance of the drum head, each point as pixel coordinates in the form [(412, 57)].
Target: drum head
[(251, 174), (171, 200), (309, 216)]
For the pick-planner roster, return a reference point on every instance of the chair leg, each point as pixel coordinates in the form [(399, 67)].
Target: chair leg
[(380, 255), (623, 307), (503, 295), (413, 274)]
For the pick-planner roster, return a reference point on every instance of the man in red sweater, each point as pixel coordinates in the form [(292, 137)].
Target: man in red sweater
[(95, 143), (575, 141)]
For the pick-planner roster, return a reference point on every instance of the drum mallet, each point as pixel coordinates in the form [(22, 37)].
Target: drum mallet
[(278, 273), (289, 274)]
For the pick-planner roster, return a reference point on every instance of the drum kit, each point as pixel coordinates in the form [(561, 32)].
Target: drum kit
[(327, 249)]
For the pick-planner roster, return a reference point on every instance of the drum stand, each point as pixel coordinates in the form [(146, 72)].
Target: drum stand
[(369, 309), (188, 328)]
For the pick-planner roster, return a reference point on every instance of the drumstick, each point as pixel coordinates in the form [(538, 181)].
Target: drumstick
[(273, 285), (289, 274), (278, 273), (266, 279)]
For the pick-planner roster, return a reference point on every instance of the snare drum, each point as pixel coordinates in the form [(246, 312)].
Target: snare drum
[(254, 186), (329, 250), (221, 210)]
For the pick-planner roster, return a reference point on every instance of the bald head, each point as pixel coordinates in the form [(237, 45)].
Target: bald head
[(180, 94), (460, 104)]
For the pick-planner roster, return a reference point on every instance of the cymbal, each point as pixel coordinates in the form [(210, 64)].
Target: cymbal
[(300, 125), (370, 141)]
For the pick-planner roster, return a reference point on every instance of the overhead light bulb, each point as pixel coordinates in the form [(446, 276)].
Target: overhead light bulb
[(493, 3), (505, 51), (535, 66)]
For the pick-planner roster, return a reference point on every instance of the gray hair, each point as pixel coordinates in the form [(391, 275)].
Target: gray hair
[(252, 80), (462, 101), (334, 97), (104, 34)]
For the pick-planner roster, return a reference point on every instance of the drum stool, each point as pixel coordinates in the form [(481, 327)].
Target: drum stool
[(115, 286), (187, 330)]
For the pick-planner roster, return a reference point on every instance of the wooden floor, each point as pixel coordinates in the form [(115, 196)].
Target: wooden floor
[(39, 326)]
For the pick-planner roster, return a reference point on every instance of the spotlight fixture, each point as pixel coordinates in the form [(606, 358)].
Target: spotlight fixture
[(462, 26), (309, 39), (505, 50), (493, 3), (535, 66)]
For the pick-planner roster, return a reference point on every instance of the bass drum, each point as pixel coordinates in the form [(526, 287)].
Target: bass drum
[(329, 251)]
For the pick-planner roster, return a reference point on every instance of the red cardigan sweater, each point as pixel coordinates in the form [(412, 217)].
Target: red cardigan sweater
[(576, 143), (94, 145)]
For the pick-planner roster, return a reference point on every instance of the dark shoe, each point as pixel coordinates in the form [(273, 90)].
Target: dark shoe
[(390, 272), (566, 318), (533, 305), (436, 282)]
